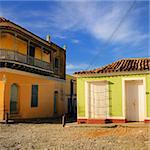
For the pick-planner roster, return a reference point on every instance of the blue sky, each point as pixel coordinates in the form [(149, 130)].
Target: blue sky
[(85, 27)]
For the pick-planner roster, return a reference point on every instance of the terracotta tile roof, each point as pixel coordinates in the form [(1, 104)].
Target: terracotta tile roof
[(3, 19), (124, 65)]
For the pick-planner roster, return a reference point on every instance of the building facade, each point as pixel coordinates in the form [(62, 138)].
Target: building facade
[(118, 92), (32, 74), (71, 96)]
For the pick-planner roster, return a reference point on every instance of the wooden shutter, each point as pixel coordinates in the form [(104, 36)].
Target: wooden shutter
[(34, 97)]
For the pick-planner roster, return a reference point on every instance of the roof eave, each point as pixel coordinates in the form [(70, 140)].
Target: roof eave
[(111, 74)]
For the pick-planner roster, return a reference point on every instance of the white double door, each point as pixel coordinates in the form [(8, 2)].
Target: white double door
[(98, 100), (134, 100)]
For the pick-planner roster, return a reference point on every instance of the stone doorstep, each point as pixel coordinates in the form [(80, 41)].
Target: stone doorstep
[(111, 125)]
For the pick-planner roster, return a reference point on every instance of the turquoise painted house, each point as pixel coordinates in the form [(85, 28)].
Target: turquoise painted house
[(118, 92)]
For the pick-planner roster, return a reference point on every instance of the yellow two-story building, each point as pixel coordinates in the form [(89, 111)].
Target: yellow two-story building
[(32, 74)]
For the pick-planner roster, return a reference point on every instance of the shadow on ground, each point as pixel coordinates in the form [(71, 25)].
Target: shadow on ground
[(56, 120)]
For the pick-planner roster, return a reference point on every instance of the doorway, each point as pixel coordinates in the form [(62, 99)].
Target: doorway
[(14, 99), (134, 93), (98, 99)]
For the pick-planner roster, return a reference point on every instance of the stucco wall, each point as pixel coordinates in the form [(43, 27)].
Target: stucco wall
[(2, 86), (115, 92), (46, 88)]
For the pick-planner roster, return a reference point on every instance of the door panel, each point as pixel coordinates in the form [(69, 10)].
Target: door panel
[(98, 100), (134, 101), (14, 99)]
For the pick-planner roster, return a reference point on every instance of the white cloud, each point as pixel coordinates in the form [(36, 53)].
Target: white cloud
[(75, 41), (100, 20), (97, 18), (71, 68)]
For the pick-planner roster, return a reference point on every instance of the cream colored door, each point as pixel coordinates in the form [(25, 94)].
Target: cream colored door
[(99, 100), (134, 101)]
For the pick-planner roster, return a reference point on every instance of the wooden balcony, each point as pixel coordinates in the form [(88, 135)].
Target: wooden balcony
[(11, 56)]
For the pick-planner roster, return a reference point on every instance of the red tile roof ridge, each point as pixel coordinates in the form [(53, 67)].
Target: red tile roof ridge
[(125, 64), (2, 19)]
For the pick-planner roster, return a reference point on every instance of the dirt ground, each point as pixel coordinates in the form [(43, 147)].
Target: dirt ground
[(46, 136)]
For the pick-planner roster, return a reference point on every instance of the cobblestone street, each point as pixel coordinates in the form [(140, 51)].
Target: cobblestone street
[(85, 137)]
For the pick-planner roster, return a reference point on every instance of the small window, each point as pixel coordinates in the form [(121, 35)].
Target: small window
[(34, 96), (56, 63)]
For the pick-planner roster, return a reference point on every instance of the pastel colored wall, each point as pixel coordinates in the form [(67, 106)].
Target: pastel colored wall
[(7, 41), (47, 87), (10, 42), (20, 46), (148, 94), (115, 92), (38, 53), (46, 57), (2, 87)]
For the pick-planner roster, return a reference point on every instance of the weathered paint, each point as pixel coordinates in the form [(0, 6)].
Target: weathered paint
[(2, 91), (148, 95), (115, 88), (11, 42), (20, 40), (68, 89), (47, 87), (38, 53)]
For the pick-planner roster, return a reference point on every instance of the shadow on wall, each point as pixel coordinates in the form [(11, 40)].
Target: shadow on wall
[(56, 120)]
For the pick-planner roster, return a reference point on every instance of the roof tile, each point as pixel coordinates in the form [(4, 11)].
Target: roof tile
[(124, 65)]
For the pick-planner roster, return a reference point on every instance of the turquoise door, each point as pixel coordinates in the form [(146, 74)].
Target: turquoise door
[(14, 99), (55, 101)]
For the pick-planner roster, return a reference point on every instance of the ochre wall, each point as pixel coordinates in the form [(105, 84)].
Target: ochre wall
[(9, 41), (45, 95), (2, 86), (38, 53), (45, 57), (68, 79), (116, 93), (21, 46)]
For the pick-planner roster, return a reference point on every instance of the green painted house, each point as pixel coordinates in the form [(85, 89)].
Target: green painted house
[(118, 92)]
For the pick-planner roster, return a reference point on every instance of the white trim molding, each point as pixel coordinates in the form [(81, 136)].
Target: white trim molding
[(87, 98), (14, 71), (124, 97)]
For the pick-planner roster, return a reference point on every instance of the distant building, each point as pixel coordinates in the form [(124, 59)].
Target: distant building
[(118, 92), (32, 74), (71, 96)]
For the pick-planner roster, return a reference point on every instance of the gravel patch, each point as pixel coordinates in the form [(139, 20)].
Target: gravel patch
[(24, 136)]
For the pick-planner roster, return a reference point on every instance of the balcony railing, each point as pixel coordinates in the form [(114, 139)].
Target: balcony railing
[(12, 55)]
